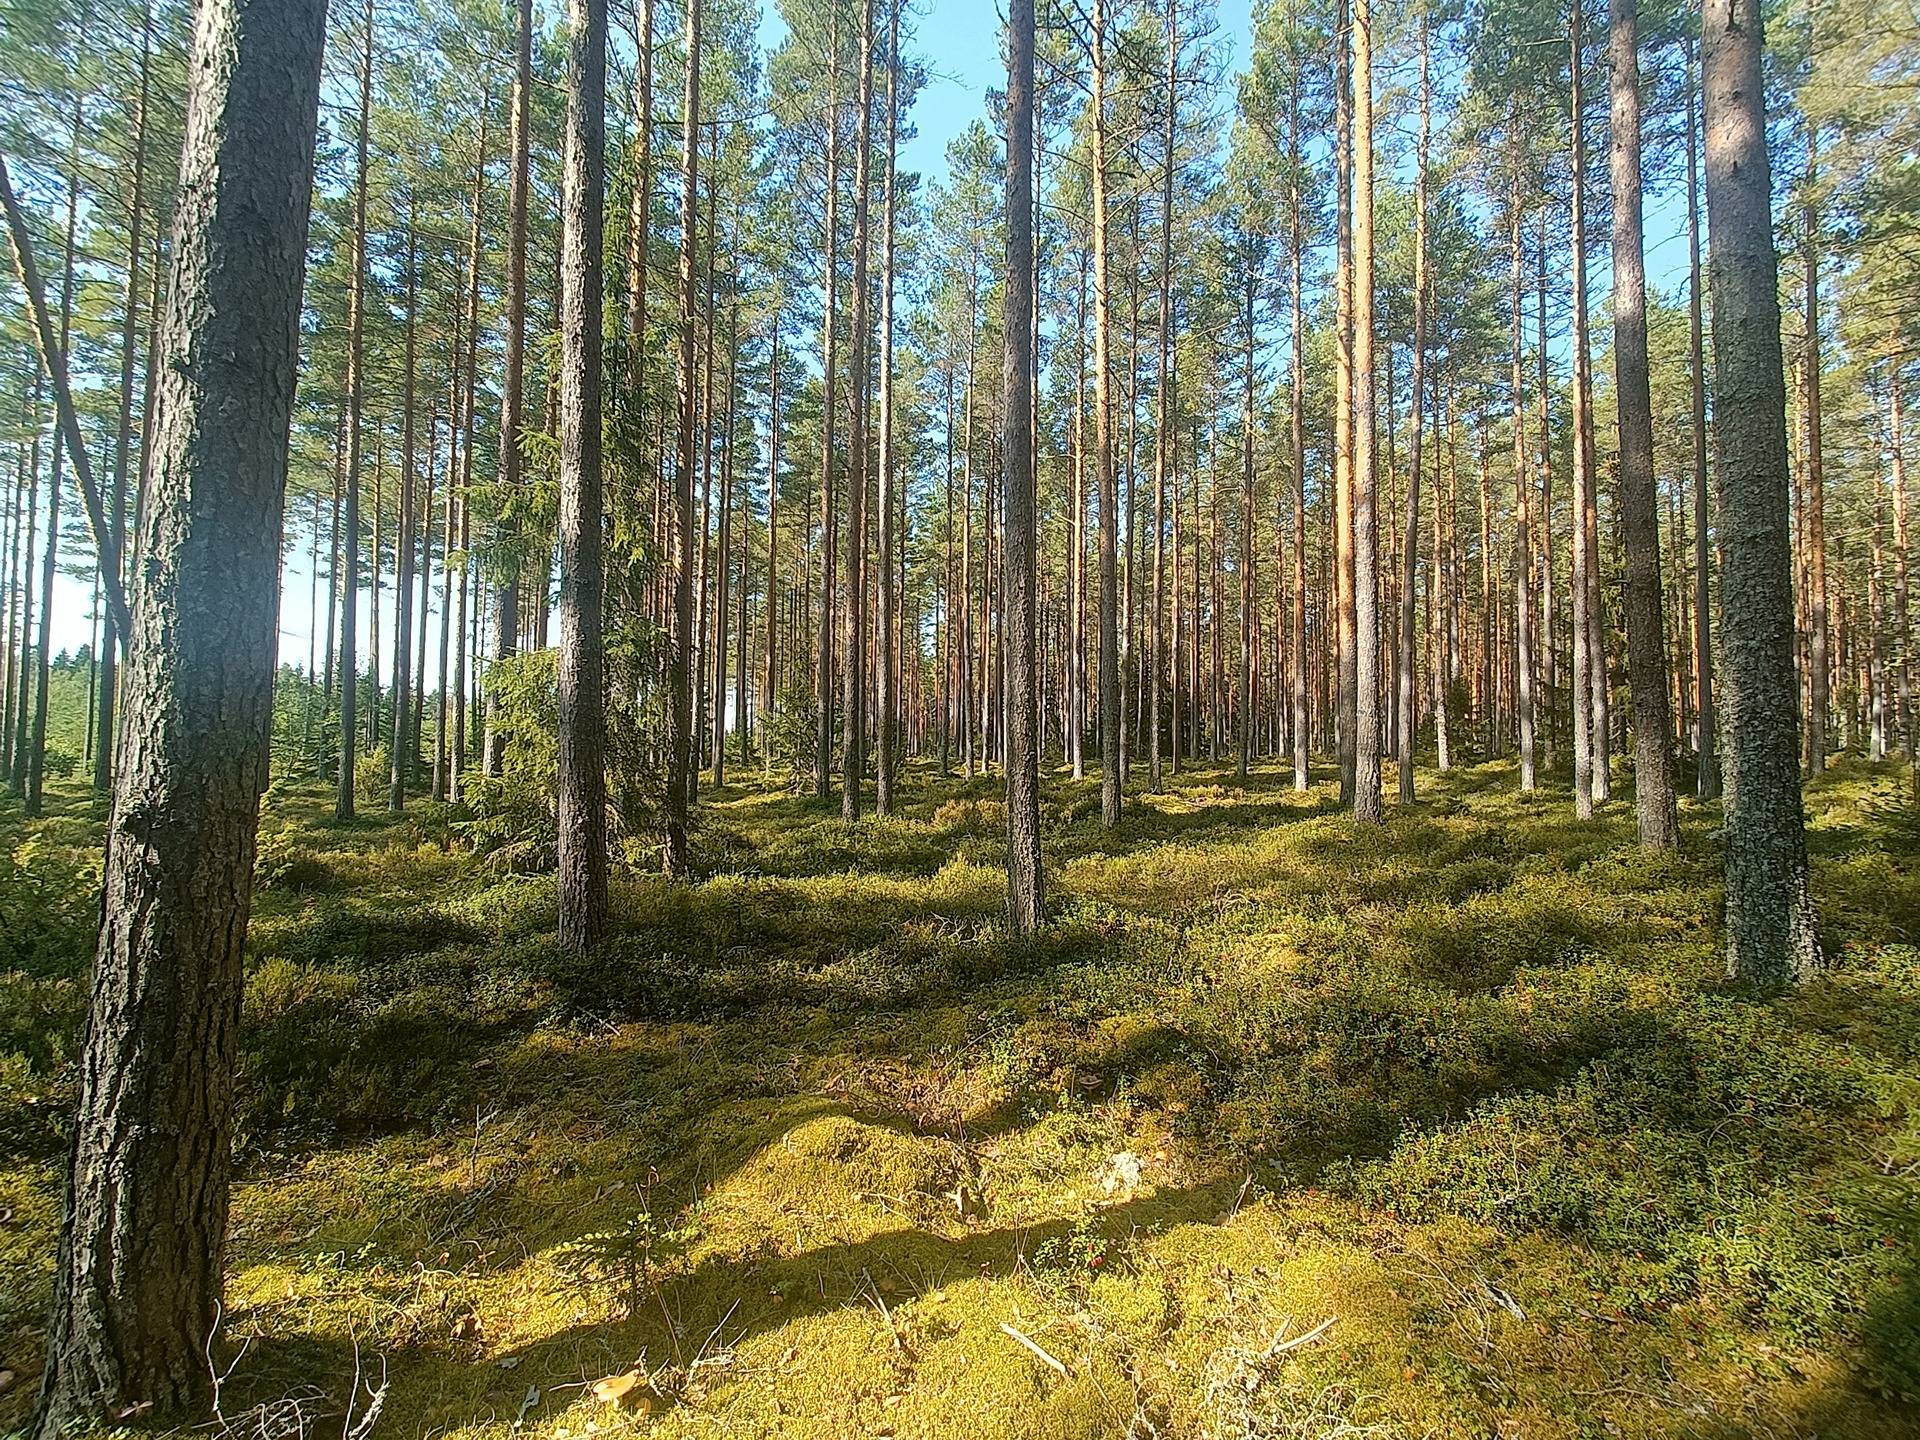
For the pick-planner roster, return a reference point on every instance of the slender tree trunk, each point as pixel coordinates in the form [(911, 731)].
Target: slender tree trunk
[(53, 360), (1639, 497), (138, 1276), (356, 407), (741, 723), (823, 638), (887, 690), (1163, 440), (1366, 727), (398, 739), (1411, 548), (853, 750), (1820, 652), (1247, 550), (123, 435), (1771, 939), (30, 742), (680, 760), (1902, 621), (1582, 580), (506, 605), (1105, 478), (1024, 891), (1522, 542), (770, 685), (966, 536), (583, 726), (1707, 739), (1296, 245), (724, 556), (640, 214), (457, 615)]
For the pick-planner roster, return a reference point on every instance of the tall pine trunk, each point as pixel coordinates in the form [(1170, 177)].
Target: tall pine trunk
[(887, 687), (680, 736), (1639, 497), (1024, 898), (1410, 565), (1706, 738), (1366, 571), (506, 600), (583, 721), (349, 580), (853, 724), (1770, 919), (138, 1277)]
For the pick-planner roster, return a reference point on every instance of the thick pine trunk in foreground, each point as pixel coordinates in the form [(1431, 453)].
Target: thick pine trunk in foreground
[(138, 1277), (1639, 499), (1770, 919)]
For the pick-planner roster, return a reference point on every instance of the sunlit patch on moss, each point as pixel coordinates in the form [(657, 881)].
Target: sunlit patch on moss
[(814, 1150)]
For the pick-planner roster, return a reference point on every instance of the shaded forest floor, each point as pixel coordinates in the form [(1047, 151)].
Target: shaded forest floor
[(1451, 1129)]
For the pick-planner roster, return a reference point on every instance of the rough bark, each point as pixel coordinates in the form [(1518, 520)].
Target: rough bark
[(1346, 677), (1819, 636), (139, 1269), (506, 600), (680, 739), (853, 725), (1024, 898), (1770, 919), (640, 212), (1706, 738), (887, 688), (1366, 573), (399, 738), (1410, 557), (1111, 777), (123, 429), (1582, 578), (829, 332), (348, 582), (1639, 498), (583, 721), (1163, 443), (1522, 528), (1296, 422)]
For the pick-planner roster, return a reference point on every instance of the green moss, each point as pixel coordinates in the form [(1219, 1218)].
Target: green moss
[(811, 1138)]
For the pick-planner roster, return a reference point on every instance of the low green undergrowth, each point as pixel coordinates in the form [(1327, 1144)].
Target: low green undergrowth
[(812, 1147)]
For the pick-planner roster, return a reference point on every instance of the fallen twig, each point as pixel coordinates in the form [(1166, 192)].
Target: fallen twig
[(1034, 1346)]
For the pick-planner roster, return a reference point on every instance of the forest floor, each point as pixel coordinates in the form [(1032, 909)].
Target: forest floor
[(1451, 1128)]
